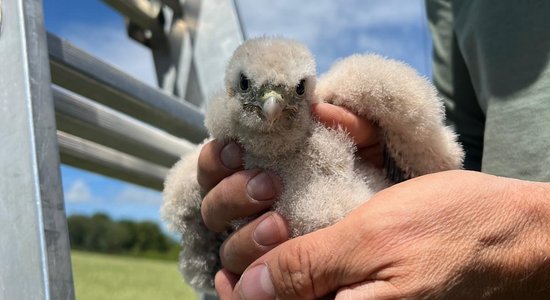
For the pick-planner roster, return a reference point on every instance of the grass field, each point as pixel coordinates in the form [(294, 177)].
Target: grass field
[(99, 277)]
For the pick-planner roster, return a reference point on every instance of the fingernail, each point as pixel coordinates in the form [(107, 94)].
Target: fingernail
[(231, 156), (261, 187), (256, 284), (266, 232)]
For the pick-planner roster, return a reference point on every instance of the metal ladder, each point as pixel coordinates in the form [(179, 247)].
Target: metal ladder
[(60, 104)]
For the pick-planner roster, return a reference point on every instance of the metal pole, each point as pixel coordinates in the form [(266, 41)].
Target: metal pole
[(88, 76), (34, 247), (144, 13)]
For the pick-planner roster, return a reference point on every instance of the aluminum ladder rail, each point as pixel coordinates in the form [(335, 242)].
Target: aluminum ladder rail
[(103, 120)]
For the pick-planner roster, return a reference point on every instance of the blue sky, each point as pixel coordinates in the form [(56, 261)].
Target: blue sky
[(332, 29)]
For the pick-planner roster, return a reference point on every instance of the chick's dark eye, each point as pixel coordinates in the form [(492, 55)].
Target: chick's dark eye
[(300, 89), (244, 84)]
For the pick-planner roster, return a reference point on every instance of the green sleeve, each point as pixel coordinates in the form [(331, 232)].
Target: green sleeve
[(491, 64)]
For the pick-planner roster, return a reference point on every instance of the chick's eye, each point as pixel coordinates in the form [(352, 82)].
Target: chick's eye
[(300, 89), (244, 84)]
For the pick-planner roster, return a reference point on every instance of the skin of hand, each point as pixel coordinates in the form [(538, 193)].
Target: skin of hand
[(363, 132), (449, 235)]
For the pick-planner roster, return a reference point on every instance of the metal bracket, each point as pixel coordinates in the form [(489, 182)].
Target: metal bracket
[(191, 42), (0, 17)]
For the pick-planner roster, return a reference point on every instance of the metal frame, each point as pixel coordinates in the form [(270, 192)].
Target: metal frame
[(100, 159), (35, 253), (107, 121), (88, 76), (191, 41), (82, 117)]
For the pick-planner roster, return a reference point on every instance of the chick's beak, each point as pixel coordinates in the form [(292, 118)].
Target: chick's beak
[(273, 105)]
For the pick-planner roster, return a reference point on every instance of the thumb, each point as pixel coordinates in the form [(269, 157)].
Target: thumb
[(308, 267)]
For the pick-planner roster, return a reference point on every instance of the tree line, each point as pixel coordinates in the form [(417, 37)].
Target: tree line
[(99, 233)]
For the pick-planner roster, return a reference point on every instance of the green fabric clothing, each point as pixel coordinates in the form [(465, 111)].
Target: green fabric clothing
[(491, 66)]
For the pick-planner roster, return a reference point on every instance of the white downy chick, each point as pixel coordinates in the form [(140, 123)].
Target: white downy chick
[(269, 86)]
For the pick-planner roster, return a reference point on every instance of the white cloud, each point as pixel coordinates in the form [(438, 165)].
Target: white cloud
[(322, 17), (109, 42), (138, 195), (334, 29), (78, 192)]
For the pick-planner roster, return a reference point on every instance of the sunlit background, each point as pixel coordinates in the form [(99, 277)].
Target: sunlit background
[(332, 30)]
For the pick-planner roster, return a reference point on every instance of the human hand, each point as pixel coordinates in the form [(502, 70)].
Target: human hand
[(233, 194), (363, 132), (450, 235)]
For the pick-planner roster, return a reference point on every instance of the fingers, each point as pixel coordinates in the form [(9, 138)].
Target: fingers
[(308, 266), (289, 272), (373, 154), (252, 241), (217, 161), (237, 196), (225, 283), (363, 131)]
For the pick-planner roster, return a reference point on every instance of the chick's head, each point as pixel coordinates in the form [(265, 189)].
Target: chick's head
[(269, 83)]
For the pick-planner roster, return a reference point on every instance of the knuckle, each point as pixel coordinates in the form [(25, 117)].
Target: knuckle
[(226, 252), (296, 271), (209, 169), (211, 215), (232, 254), (218, 207), (203, 181), (208, 215), (238, 251), (225, 196), (204, 161)]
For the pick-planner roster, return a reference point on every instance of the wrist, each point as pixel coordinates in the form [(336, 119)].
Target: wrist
[(528, 253)]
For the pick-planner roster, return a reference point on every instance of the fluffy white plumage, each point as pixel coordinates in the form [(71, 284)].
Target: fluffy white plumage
[(263, 110)]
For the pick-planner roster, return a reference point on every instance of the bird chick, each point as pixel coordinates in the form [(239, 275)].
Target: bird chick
[(269, 86)]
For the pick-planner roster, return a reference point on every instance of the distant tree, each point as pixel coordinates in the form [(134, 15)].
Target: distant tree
[(79, 229), (99, 233), (149, 237), (96, 240), (130, 240)]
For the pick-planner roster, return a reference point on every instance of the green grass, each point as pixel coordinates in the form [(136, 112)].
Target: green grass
[(99, 276)]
